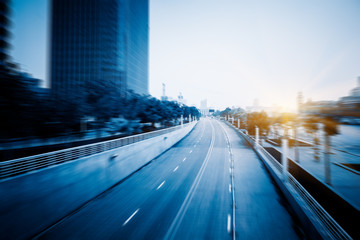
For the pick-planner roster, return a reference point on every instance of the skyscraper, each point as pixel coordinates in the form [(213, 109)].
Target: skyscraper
[(4, 33), (99, 43)]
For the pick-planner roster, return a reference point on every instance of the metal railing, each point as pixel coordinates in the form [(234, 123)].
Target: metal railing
[(326, 225), (26, 164)]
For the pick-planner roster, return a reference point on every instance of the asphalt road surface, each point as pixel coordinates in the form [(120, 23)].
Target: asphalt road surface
[(211, 185)]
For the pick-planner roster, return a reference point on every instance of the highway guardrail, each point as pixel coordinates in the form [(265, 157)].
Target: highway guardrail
[(23, 165)]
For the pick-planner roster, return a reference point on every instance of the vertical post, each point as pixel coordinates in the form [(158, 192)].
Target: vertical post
[(189, 117), (181, 120), (297, 158), (256, 137), (239, 123), (284, 157), (327, 160)]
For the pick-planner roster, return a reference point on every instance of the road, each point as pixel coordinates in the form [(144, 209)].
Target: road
[(205, 187)]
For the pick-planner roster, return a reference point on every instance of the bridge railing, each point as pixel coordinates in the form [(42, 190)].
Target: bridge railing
[(328, 228), (26, 164)]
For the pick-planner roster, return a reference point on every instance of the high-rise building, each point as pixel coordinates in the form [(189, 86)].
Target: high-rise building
[(99, 43), (4, 33)]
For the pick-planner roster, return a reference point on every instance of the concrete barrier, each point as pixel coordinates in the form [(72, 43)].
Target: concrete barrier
[(32, 202)]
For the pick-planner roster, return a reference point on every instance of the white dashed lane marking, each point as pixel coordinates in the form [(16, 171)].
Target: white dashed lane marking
[(228, 223), (132, 215), (160, 185)]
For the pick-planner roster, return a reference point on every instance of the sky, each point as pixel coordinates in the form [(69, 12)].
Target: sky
[(230, 52)]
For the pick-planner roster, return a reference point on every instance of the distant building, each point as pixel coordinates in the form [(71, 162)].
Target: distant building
[(353, 100), (316, 107), (204, 110), (300, 101), (164, 97), (181, 100), (203, 104), (99, 42), (347, 106), (255, 107)]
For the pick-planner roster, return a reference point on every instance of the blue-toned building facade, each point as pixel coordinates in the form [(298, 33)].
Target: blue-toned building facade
[(101, 42), (4, 33)]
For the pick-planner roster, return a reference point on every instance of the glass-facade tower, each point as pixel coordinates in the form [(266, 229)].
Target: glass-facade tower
[(4, 33), (99, 42)]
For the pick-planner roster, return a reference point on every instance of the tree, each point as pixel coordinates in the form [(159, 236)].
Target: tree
[(195, 112), (260, 120), (185, 111), (18, 106), (150, 112), (311, 126), (225, 112), (102, 101), (287, 121)]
